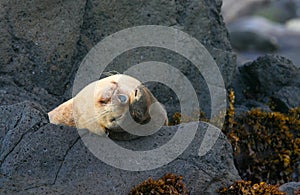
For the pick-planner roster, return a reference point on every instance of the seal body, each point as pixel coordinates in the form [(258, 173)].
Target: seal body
[(101, 106)]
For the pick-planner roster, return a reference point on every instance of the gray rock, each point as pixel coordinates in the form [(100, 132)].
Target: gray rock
[(253, 41), (274, 77), (43, 43), (269, 73), (255, 34), (290, 187), (287, 98), (11, 93), (40, 40), (252, 104), (39, 158), (188, 16)]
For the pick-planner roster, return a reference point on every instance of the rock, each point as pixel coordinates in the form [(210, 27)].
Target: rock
[(43, 43), (199, 19), (277, 11), (286, 98), (253, 41), (269, 73), (274, 77), (40, 42), (290, 187), (255, 34), (11, 93), (39, 158), (252, 104)]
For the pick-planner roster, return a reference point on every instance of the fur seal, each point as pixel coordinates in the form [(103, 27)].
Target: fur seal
[(101, 106)]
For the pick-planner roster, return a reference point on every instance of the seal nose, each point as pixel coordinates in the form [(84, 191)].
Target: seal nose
[(122, 98)]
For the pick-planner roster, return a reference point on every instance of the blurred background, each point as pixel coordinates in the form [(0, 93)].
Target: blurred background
[(260, 27)]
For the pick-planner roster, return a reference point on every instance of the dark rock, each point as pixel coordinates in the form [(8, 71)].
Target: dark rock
[(11, 93), (200, 19), (39, 44), (253, 41), (43, 43), (252, 104), (40, 158), (270, 73), (270, 79), (255, 34), (239, 110), (286, 98)]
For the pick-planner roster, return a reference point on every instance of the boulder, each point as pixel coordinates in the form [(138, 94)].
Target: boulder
[(272, 77), (255, 33), (287, 98), (253, 41), (269, 73), (39, 158), (43, 43)]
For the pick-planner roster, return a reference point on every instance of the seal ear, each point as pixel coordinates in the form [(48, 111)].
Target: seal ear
[(63, 114)]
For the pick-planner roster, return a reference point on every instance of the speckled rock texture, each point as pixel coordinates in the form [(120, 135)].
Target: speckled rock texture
[(43, 43), (270, 79), (42, 46), (38, 158)]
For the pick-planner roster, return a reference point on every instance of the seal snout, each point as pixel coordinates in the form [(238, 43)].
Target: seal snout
[(139, 105)]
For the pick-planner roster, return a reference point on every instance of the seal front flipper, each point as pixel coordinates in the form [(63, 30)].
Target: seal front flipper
[(63, 114)]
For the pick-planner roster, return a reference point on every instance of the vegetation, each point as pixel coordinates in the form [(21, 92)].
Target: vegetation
[(266, 144), (168, 184), (266, 151), (245, 187)]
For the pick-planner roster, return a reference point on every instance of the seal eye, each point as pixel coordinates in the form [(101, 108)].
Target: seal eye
[(136, 92), (122, 98)]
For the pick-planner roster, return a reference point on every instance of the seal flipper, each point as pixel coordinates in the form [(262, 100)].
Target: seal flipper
[(63, 114)]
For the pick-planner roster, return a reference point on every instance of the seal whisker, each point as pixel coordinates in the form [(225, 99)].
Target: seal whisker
[(97, 116)]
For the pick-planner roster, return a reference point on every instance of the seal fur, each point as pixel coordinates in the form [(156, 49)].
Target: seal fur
[(100, 106)]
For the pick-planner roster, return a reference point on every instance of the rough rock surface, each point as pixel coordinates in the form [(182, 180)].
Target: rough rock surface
[(11, 93), (43, 43), (37, 157), (290, 188), (270, 77), (42, 46)]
